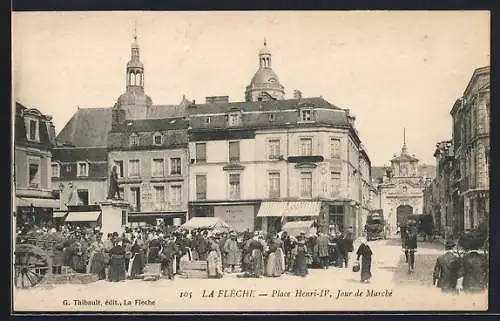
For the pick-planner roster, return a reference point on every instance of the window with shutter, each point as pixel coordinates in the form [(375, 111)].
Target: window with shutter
[(234, 151), (201, 152), (306, 184), (274, 185), (274, 149), (306, 146), (234, 186), (201, 187)]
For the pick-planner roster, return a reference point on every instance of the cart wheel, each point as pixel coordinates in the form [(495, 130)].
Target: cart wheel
[(29, 270)]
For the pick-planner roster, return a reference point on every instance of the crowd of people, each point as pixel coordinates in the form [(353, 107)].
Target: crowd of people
[(119, 256)]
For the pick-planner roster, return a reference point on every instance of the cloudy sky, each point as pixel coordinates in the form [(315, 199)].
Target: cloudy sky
[(394, 70)]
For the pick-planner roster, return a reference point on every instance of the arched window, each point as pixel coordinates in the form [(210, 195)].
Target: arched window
[(138, 79), (134, 139)]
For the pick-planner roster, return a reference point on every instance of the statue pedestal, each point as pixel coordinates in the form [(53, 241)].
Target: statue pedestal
[(114, 215)]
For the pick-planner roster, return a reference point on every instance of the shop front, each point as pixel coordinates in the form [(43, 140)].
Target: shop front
[(240, 216), (274, 215), (35, 211), (342, 214)]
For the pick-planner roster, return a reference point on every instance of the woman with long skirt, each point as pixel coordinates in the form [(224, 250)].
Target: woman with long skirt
[(117, 263), (97, 261), (301, 259), (214, 262), (257, 258), (365, 252), (136, 264), (274, 266)]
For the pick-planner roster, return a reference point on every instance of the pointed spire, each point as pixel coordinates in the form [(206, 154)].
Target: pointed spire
[(135, 44), (404, 150), (135, 31)]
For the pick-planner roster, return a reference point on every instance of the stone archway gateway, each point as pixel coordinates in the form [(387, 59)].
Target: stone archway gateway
[(402, 212)]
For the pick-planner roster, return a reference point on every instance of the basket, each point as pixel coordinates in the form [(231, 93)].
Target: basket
[(355, 267)]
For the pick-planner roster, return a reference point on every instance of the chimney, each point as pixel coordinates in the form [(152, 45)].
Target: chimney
[(217, 100), (297, 94)]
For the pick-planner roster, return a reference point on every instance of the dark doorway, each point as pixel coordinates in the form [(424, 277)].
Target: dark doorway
[(402, 212)]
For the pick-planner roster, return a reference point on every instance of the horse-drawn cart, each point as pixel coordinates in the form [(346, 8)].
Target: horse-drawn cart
[(32, 262)]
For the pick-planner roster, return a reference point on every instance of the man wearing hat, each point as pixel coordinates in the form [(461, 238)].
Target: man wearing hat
[(231, 252), (447, 269)]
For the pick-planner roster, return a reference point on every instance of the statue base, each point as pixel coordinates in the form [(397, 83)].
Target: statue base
[(114, 215)]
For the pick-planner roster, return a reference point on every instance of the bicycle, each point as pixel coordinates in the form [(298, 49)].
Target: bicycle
[(410, 258)]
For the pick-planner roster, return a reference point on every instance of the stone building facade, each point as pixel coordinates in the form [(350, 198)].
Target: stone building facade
[(152, 162), (247, 162), (401, 191), (471, 143), (79, 175), (34, 138), (460, 192), (260, 163)]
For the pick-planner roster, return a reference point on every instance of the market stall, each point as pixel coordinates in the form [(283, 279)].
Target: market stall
[(294, 228), (214, 224)]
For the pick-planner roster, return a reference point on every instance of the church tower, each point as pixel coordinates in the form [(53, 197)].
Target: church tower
[(405, 165), (265, 84), (134, 103)]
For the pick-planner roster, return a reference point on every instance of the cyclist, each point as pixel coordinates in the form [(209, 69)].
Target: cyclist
[(410, 245)]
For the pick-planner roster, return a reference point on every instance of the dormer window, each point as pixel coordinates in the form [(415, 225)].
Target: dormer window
[(134, 139), (157, 139), (83, 169), (32, 129), (234, 119), (56, 170), (306, 114), (208, 120), (272, 117)]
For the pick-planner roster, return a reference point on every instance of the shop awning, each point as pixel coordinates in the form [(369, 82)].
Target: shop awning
[(206, 222), (37, 202), (299, 208), (82, 216), (59, 214), (303, 208), (272, 209), (295, 228)]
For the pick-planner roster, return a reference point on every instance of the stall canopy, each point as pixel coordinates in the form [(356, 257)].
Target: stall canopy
[(280, 209), (214, 223), (37, 202), (58, 214), (296, 227), (83, 216)]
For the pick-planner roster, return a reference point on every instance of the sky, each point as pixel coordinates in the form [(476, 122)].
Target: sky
[(393, 70)]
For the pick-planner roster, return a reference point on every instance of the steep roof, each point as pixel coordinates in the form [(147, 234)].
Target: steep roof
[(90, 126), (166, 111), (248, 106), (149, 125), (75, 154), (87, 127)]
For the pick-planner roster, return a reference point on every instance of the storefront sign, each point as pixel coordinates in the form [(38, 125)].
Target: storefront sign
[(238, 217)]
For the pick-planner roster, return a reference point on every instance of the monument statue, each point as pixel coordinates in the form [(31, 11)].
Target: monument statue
[(113, 185)]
